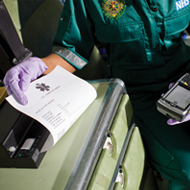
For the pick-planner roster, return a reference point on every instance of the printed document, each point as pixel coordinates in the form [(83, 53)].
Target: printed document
[(56, 101)]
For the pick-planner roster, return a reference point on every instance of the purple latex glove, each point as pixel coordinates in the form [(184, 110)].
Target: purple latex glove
[(18, 78), (174, 122)]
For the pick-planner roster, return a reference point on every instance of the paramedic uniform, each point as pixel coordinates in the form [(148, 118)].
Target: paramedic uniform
[(143, 41)]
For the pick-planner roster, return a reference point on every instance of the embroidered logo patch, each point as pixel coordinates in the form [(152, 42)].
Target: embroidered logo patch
[(113, 9), (181, 4)]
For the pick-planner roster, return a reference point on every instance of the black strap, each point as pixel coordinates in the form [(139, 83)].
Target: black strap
[(10, 34)]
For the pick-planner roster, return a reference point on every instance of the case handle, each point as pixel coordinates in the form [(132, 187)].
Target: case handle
[(120, 177), (108, 144)]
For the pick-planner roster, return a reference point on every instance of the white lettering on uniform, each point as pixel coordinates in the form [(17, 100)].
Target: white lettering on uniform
[(181, 4)]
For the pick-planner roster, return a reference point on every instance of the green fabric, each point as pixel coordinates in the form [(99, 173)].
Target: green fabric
[(138, 29), (146, 51)]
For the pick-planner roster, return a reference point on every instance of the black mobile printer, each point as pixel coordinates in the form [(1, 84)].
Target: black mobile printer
[(21, 139)]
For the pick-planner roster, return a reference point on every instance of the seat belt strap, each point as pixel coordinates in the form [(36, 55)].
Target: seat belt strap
[(10, 34)]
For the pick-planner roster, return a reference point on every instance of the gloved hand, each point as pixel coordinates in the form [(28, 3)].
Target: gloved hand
[(174, 122), (18, 78)]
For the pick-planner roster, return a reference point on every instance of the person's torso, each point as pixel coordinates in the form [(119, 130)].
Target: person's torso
[(137, 32)]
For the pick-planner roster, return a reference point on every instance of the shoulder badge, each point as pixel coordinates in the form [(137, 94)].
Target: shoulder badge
[(113, 9)]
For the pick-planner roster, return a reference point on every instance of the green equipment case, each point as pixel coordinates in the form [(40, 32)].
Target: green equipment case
[(102, 150)]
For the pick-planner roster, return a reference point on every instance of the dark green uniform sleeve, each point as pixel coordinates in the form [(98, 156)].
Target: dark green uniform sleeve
[(74, 40)]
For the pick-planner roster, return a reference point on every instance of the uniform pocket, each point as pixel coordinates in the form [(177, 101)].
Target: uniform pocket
[(124, 39), (120, 33), (126, 43)]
